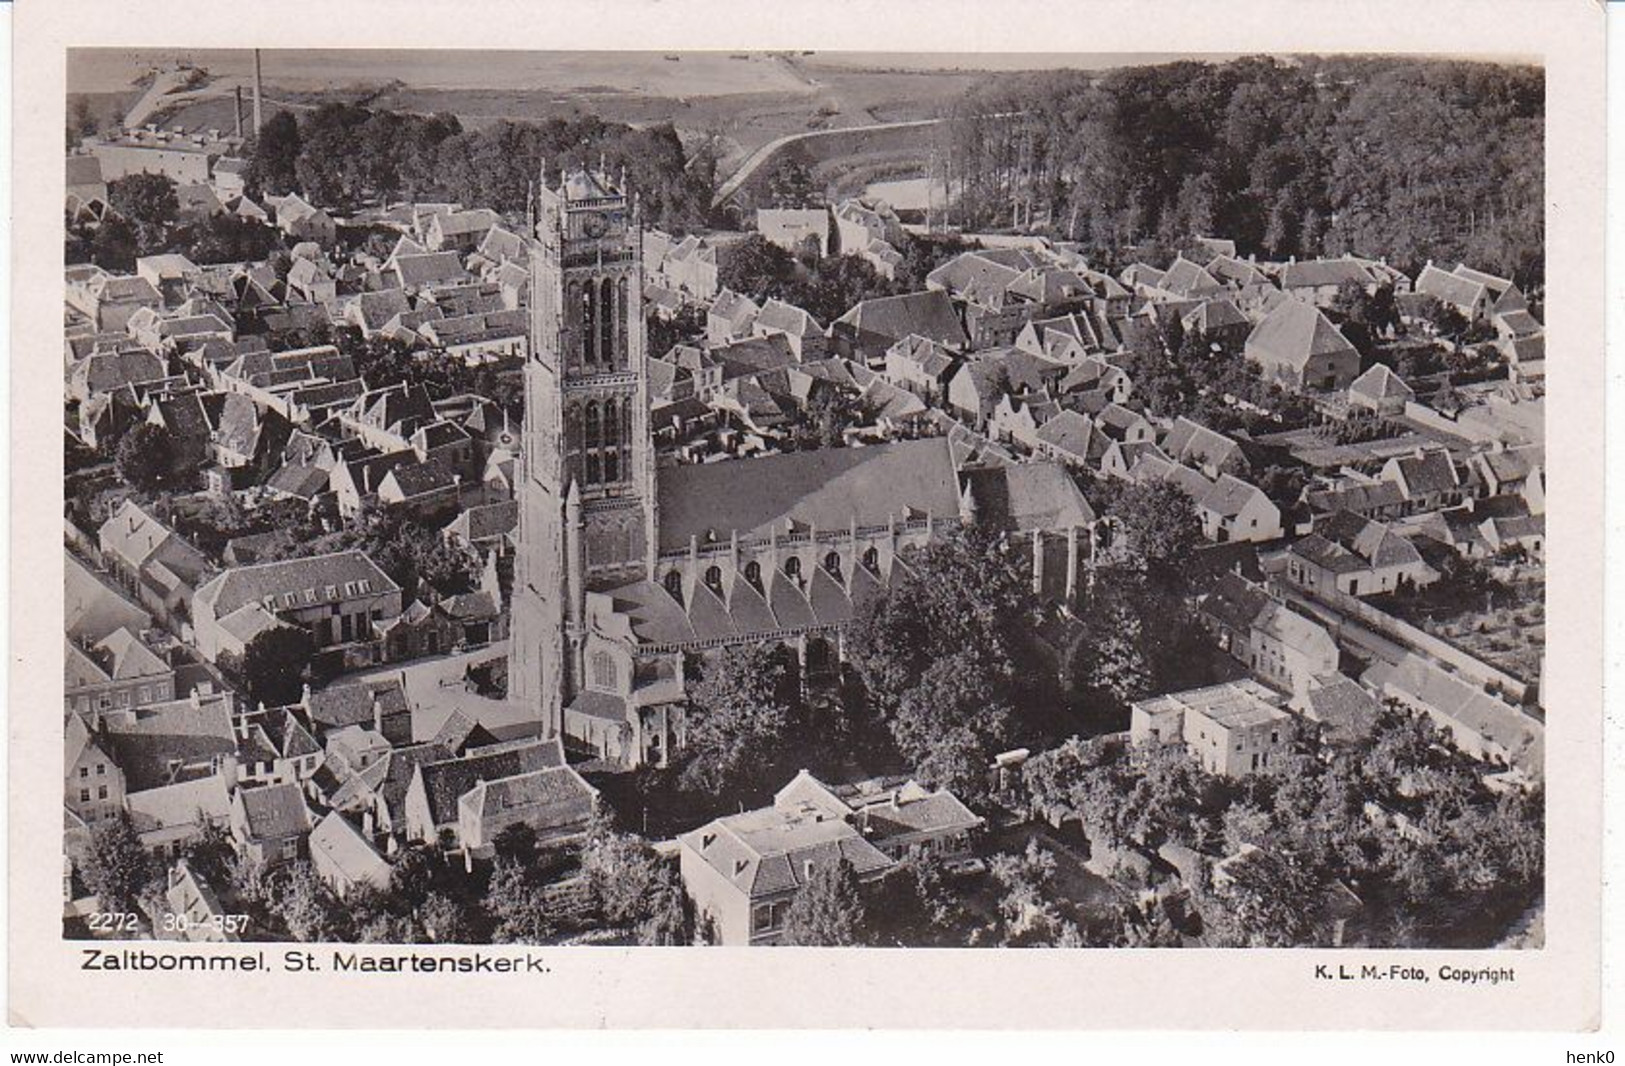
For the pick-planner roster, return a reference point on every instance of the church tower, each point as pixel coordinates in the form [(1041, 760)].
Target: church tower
[(586, 464)]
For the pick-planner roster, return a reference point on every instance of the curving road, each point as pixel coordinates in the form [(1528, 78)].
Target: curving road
[(756, 159)]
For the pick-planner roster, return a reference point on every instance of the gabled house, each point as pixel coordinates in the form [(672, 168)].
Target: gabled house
[(1357, 556), (1297, 346), (1428, 479), (345, 858), (154, 562), (117, 672), (1380, 391), (1280, 646), (807, 338), (1465, 293), (339, 598), (169, 818), (271, 824), (866, 331), (1208, 450), (433, 802), (1235, 510), (169, 743), (93, 783), (730, 317), (1479, 724)]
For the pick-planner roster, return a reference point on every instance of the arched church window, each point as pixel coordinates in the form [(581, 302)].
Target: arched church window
[(608, 321), (792, 567), (603, 671), (594, 434), (832, 564), (626, 439), (573, 435), (622, 315), (713, 579), (674, 584), (753, 573), (589, 319), (871, 559), (612, 442)]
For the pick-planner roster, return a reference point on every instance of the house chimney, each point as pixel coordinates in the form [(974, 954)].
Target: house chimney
[(377, 715)]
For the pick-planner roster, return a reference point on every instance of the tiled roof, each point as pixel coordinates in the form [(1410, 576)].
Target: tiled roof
[(1381, 383), (1190, 441), (1315, 273), (430, 268), (1448, 288), (448, 781), (1029, 496), (551, 798), (771, 851), (1229, 496), (311, 580), (170, 739), (1461, 702), (929, 314), (1188, 279), (1344, 707), (827, 487), (1430, 472), (273, 812), (489, 520), (342, 845), (914, 811), (1235, 602), (1293, 333), (1069, 432), (419, 479), (1357, 497), (185, 803), (352, 704)]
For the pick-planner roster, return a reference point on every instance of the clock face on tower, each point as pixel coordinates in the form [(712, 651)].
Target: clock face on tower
[(595, 224)]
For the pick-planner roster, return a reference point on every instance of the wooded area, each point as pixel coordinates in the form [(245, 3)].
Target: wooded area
[(1386, 156)]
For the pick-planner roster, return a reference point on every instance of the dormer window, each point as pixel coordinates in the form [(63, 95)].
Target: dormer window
[(792, 567), (713, 579)]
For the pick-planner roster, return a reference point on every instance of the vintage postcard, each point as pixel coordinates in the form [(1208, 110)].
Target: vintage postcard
[(671, 516)]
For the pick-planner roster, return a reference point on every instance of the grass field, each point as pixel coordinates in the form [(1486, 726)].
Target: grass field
[(740, 101)]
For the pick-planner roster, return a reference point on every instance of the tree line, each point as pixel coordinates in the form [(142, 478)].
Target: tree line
[(1408, 158), (342, 156)]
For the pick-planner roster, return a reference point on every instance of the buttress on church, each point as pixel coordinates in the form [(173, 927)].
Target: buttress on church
[(625, 566)]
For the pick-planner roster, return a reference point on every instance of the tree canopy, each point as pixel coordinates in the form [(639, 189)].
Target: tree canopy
[(274, 664), (740, 730), (829, 910), (1381, 156)]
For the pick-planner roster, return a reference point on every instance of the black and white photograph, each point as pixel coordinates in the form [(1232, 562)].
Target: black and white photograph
[(903, 515), (804, 498)]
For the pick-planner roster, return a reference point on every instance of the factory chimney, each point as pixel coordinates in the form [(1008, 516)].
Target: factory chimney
[(259, 93), (238, 111)]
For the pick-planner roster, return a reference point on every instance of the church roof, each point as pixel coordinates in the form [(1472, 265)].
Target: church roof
[(827, 488)]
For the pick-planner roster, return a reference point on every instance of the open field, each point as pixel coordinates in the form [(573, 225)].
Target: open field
[(741, 101)]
